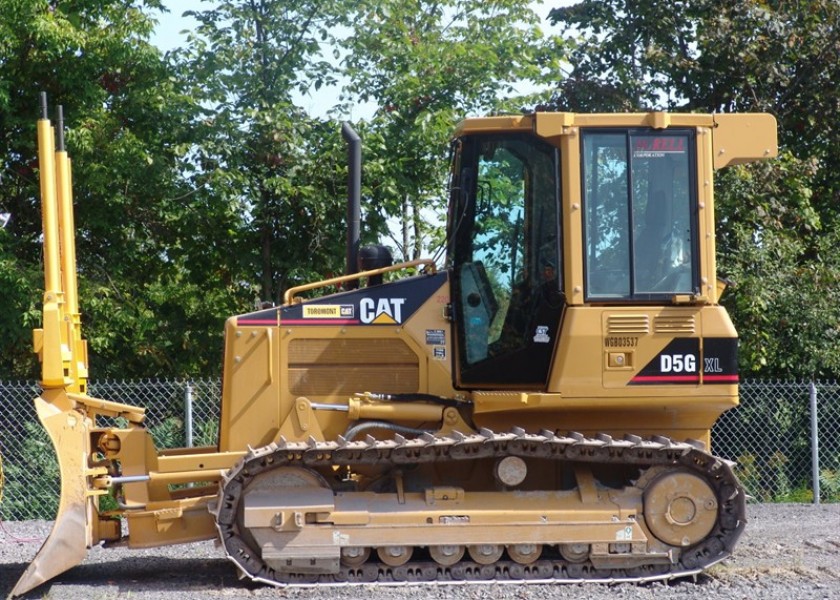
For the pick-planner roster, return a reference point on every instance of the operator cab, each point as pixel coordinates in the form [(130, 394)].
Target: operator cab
[(637, 189)]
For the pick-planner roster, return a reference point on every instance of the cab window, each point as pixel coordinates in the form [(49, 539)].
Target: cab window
[(639, 214)]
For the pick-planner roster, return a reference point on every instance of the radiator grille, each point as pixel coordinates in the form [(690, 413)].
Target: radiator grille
[(674, 324), (628, 324), (319, 367)]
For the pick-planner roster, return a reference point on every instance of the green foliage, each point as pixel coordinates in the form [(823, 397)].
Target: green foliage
[(280, 170), (770, 482), (169, 433), (199, 185), (426, 65), (73, 51), (20, 288), (40, 469), (772, 242), (800, 495), (748, 474), (154, 290), (830, 485), (778, 220)]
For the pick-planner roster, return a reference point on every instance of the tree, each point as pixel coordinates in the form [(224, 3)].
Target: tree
[(776, 218), (281, 168), (146, 296), (427, 64)]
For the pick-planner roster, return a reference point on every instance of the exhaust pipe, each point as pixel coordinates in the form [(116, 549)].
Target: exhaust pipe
[(354, 199)]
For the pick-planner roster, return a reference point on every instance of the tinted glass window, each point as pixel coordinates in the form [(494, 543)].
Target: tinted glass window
[(506, 259), (639, 214)]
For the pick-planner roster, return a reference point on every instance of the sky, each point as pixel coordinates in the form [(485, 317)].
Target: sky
[(170, 34)]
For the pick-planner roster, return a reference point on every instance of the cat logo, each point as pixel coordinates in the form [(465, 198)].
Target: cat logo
[(382, 311)]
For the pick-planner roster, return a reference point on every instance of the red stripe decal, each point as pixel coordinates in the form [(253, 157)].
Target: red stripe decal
[(319, 322), (721, 378)]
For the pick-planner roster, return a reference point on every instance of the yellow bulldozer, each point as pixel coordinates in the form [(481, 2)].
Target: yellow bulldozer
[(537, 408)]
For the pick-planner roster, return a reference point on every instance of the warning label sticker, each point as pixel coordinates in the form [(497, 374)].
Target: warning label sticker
[(435, 337)]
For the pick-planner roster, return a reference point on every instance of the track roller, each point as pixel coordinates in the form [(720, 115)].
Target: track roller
[(574, 553), (394, 556), (524, 554), (354, 556), (446, 555), (486, 554)]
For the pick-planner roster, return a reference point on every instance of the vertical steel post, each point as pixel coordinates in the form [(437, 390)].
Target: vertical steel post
[(188, 414), (815, 445)]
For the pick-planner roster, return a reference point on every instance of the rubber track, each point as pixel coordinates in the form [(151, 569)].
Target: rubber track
[(657, 451)]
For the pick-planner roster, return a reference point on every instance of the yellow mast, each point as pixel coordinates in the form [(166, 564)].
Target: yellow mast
[(78, 347), (51, 341), (59, 343)]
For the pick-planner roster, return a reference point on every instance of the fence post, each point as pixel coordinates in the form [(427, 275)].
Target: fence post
[(815, 445), (188, 414)]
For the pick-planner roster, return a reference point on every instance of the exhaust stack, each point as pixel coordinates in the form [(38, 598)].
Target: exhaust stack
[(354, 199)]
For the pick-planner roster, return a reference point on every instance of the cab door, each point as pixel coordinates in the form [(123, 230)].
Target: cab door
[(505, 259)]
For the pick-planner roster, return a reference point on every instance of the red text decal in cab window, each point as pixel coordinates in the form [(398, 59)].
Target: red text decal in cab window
[(659, 146)]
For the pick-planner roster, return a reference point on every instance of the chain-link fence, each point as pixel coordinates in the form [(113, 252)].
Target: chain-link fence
[(770, 436), (785, 437), (31, 490)]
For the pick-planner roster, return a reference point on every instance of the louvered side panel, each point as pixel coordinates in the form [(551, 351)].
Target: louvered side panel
[(670, 323), (319, 367), (625, 324)]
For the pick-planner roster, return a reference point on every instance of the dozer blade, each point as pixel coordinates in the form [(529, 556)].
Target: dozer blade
[(71, 534)]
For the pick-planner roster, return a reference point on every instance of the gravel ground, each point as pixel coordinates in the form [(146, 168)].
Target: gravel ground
[(788, 552)]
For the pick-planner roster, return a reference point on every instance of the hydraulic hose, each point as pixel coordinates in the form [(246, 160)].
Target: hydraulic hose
[(354, 430)]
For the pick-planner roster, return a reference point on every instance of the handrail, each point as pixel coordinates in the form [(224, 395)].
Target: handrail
[(291, 292)]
